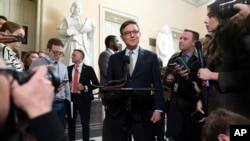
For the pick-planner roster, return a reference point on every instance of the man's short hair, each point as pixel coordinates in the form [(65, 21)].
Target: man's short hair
[(196, 35), (219, 121), (108, 39), (54, 41), (128, 22), (81, 52)]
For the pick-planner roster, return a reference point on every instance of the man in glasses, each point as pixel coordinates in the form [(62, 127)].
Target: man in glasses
[(54, 52), (133, 112)]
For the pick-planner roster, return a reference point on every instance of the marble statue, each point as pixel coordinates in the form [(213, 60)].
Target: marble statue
[(165, 44), (77, 33)]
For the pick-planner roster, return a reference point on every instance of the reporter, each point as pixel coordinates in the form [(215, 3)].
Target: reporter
[(35, 101), (217, 125), (6, 50), (228, 67)]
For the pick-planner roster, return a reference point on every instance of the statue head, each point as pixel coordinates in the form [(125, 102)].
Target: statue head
[(76, 8), (166, 29)]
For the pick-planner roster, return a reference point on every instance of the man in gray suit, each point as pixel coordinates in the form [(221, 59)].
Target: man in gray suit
[(54, 51), (112, 45)]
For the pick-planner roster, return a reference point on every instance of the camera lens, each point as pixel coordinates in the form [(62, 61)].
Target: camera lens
[(23, 77), (227, 10)]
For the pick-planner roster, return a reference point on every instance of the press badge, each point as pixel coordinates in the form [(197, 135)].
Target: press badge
[(176, 85)]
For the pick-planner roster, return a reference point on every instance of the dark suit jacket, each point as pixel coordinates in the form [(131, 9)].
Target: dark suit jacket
[(87, 77), (186, 91), (146, 74), (103, 65), (231, 91)]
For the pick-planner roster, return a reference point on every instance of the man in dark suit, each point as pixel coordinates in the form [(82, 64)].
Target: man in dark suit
[(180, 125), (111, 43), (133, 111), (81, 93)]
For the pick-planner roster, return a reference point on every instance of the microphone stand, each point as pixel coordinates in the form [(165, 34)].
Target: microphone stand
[(130, 95)]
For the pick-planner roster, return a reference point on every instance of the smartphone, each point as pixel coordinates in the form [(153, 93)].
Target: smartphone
[(197, 116), (180, 61), (64, 81)]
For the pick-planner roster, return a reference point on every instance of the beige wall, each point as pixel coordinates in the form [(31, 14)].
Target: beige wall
[(152, 15)]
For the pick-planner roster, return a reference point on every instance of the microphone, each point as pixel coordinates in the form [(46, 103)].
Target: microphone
[(125, 68), (126, 62), (198, 46), (199, 49)]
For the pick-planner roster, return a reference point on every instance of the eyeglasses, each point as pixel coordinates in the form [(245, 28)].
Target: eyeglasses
[(129, 33), (57, 52)]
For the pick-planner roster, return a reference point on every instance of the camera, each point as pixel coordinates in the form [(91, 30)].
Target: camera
[(12, 38), (23, 77), (18, 118), (227, 10)]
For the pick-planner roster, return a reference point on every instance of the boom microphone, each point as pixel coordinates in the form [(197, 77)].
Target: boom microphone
[(126, 66), (199, 49), (200, 56), (126, 59)]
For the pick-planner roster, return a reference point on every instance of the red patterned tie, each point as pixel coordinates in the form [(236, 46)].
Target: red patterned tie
[(75, 82)]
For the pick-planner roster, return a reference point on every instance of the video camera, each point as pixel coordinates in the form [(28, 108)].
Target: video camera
[(17, 118), (227, 10)]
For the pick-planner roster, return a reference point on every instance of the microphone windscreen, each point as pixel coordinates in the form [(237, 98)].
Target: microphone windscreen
[(198, 45), (126, 59)]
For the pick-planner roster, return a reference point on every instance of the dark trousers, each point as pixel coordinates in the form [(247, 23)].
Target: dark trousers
[(179, 123), (120, 128), (83, 107), (159, 129), (59, 108)]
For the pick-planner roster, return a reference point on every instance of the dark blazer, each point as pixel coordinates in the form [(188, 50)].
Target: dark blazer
[(232, 90), (186, 91), (87, 77), (146, 74)]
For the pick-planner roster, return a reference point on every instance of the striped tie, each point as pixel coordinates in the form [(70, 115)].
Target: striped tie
[(131, 62)]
